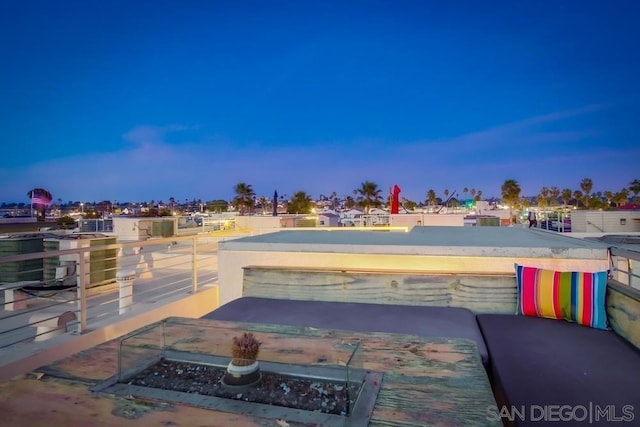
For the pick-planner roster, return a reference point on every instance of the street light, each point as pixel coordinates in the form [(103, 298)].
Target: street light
[(82, 207)]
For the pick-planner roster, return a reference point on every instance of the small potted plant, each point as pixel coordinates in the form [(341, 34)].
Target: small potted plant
[(243, 368)]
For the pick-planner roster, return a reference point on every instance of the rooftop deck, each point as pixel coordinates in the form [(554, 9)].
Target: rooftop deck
[(451, 250)]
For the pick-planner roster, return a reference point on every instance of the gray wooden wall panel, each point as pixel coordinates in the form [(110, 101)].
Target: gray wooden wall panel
[(623, 309), (480, 293)]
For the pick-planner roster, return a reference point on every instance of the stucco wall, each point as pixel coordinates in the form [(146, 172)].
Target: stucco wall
[(449, 220), (460, 250), (583, 221)]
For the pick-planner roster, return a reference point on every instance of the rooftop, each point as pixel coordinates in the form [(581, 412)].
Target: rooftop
[(468, 241), (72, 373)]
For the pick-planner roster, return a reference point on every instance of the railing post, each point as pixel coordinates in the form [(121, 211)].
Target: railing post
[(194, 273), (125, 279), (82, 291)]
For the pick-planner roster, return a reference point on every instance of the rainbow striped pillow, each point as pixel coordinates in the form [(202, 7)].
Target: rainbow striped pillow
[(569, 295)]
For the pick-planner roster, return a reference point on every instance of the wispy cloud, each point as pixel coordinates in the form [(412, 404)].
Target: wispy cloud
[(153, 167), (556, 116), (147, 134), (505, 136)]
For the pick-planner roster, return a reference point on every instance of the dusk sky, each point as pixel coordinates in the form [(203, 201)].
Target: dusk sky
[(147, 100)]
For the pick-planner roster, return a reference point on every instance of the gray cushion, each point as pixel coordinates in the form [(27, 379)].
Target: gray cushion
[(542, 362), (447, 322)]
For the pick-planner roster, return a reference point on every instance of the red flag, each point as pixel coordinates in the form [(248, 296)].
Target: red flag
[(395, 199)]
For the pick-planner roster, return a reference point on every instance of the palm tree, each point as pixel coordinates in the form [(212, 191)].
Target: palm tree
[(566, 196), (369, 195), (634, 187), (431, 198), (244, 199), (409, 205), (554, 193), (301, 203), (609, 196), (578, 196), (586, 185), (543, 197), (349, 202), (511, 194), (264, 203), (621, 197)]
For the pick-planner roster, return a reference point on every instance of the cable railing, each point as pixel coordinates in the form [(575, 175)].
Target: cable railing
[(72, 290), (43, 294), (622, 266)]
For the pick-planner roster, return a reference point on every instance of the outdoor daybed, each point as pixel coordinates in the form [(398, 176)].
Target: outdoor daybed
[(573, 365), (552, 370), (560, 359)]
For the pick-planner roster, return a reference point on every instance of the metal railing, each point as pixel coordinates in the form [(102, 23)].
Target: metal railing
[(82, 287), (554, 221), (77, 288), (622, 266)]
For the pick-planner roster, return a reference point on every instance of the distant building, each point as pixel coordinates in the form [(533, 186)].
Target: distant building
[(328, 219), (351, 218), (592, 221), (378, 211)]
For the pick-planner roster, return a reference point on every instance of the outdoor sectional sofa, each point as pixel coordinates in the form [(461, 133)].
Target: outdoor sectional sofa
[(550, 372), (543, 371)]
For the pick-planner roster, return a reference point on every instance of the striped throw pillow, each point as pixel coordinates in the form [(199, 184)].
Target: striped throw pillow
[(569, 295)]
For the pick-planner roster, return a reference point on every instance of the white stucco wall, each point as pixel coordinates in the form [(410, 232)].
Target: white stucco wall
[(471, 250), (266, 224), (449, 220), (585, 221)]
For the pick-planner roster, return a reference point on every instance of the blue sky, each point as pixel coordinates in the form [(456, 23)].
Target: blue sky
[(146, 100)]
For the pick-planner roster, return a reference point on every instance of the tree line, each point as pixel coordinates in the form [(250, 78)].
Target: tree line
[(369, 196), (365, 197), (549, 197)]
